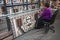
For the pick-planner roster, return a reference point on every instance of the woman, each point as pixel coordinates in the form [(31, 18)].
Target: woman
[(45, 15)]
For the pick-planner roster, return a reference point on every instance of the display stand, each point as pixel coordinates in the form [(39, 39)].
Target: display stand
[(20, 14), (22, 22)]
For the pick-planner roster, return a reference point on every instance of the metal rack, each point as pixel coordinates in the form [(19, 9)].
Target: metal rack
[(12, 5)]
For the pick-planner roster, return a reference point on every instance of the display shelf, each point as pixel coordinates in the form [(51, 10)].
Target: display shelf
[(15, 11)]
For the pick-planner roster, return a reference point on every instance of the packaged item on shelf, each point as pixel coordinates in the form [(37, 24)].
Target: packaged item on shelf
[(34, 1), (29, 7), (15, 9), (10, 10), (17, 1), (20, 8), (0, 11), (24, 8), (24, 1), (3, 9), (8, 1), (36, 5), (29, 1), (33, 6)]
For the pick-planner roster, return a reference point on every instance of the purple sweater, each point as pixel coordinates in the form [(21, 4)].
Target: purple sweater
[(47, 13)]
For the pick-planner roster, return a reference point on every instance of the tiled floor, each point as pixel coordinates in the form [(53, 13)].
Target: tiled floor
[(37, 34)]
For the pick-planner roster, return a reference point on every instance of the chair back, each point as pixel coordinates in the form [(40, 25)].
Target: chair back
[(54, 16)]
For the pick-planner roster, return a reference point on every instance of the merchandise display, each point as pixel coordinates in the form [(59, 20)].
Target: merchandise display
[(20, 21)]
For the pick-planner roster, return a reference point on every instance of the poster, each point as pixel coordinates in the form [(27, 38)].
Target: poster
[(28, 21), (16, 25)]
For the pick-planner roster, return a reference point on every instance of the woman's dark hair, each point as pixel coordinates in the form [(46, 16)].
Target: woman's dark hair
[(47, 5)]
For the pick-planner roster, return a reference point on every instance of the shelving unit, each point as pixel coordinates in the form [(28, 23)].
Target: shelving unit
[(15, 21)]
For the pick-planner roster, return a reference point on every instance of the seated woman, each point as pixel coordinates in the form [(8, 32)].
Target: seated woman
[(45, 15)]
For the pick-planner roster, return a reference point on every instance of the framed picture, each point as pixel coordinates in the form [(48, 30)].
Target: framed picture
[(16, 27)]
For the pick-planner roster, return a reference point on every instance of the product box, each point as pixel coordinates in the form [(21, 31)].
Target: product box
[(32, 1)]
